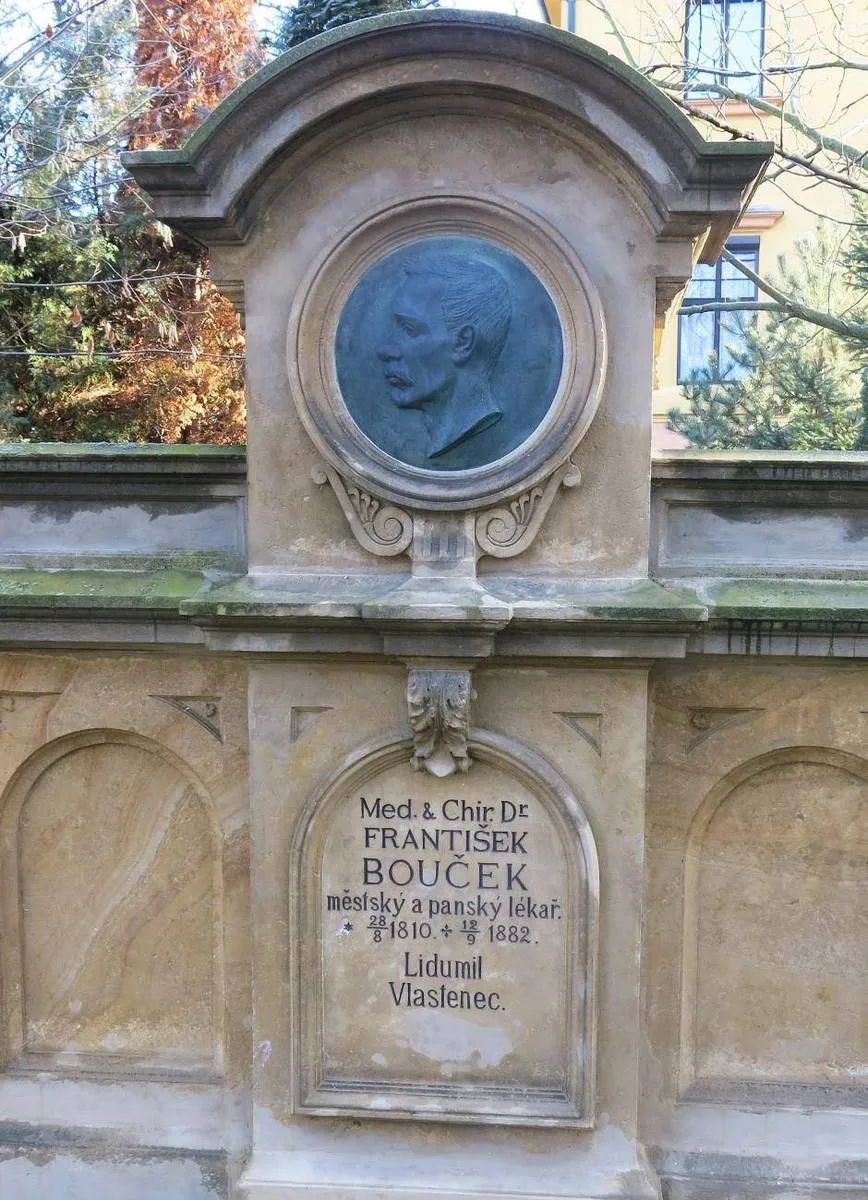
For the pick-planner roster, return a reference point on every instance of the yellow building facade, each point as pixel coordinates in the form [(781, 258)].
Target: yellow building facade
[(771, 69)]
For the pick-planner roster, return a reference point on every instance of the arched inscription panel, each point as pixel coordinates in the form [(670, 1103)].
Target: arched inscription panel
[(444, 942)]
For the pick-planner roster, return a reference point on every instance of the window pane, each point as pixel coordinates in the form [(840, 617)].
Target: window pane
[(701, 286), (723, 35), (705, 43), (696, 344), (748, 254), (721, 332), (733, 284), (744, 44)]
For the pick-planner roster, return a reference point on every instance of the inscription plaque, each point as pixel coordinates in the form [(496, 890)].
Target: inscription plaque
[(447, 943), (448, 353)]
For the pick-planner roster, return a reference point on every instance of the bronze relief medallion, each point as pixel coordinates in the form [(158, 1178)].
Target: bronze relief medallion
[(448, 353)]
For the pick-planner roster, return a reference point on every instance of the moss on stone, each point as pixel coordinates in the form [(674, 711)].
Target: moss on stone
[(640, 600), (97, 589), (786, 599), (107, 450)]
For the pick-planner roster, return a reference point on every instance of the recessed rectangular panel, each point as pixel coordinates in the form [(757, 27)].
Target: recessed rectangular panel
[(732, 538)]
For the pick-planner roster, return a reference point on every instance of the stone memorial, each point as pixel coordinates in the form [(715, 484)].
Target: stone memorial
[(449, 236), (443, 802)]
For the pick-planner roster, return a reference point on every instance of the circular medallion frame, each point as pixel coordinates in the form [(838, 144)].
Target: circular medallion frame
[(321, 300)]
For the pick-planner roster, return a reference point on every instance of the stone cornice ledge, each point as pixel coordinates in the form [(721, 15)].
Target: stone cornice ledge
[(820, 467), (491, 602), (85, 469), (95, 609), (798, 618), (386, 615), (107, 591), (806, 601), (407, 616)]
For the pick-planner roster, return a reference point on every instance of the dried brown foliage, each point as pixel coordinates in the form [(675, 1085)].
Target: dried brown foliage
[(190, 54)]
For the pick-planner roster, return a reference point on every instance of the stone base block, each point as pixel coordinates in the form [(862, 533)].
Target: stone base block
[(41, 1172), (729, 1189), (611, 1166)]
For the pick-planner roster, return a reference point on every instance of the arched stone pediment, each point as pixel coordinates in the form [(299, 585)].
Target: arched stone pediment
[(376, 71)]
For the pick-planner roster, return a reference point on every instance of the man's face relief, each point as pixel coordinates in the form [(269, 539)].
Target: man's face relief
[(441, 340), (420, 356)]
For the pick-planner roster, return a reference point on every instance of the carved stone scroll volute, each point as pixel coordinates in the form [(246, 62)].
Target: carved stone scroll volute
[(503, 531), (510, 528), (438, 709), (381, 528)]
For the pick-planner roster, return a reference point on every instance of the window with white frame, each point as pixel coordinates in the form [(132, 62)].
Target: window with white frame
[(706, 340), (723, 44)]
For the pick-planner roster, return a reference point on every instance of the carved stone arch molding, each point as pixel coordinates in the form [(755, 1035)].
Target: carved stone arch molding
[(111, 922), (368, 1041), (775, 911)]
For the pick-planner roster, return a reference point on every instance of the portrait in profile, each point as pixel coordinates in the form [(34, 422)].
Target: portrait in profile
[(449, 324), (448, 353)]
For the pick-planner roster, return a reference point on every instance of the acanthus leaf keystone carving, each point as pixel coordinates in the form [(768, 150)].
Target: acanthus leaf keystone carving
[(438, 710)]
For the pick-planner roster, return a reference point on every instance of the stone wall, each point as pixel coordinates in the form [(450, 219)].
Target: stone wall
[(127, 935)]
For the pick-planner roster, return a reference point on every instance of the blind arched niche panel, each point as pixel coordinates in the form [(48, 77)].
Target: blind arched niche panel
[(443, 941), (110, 911), (774, 922)]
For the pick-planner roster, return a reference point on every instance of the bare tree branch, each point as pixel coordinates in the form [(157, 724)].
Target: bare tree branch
[(603, 7), (801, 160), (727, 306), (843, 64), (45, 39), (795, 308), (819, 137)]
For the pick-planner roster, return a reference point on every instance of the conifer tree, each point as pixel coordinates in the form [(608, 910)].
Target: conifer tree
[(188, 55), (307, 18), (794, 385)]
